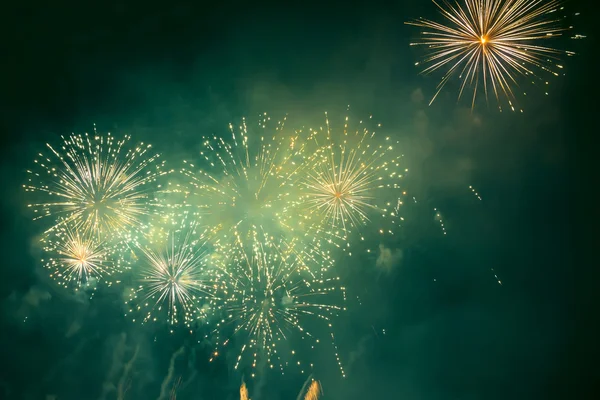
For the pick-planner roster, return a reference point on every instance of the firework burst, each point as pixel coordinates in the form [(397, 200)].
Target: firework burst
[(267, 298), (352, 181), (241, 183), (78, 257), (249, 183), (95, 183), (175, 279), (490, 44)]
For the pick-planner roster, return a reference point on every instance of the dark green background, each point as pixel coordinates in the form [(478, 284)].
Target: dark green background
[(166, 73)]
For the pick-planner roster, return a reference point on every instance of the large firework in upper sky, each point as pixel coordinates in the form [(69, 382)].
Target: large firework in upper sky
[(95, 183), (493, 45)]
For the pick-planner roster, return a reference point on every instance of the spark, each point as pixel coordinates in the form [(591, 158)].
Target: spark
[(490, 44), (475, 192), (438, 217), (95, 183), (496, 276)]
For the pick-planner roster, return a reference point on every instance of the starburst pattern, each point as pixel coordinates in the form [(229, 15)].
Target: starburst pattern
[(175, 279), (76, 257), (353, 178), (95, 183), (491, 44)]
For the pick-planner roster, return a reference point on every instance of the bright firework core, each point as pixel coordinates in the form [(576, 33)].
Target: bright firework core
[(348, 178), (489, 45), (82, 256)]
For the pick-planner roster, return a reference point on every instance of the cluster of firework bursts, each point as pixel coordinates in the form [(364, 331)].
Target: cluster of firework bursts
[(277, 205), (94, 192), (240, 243)]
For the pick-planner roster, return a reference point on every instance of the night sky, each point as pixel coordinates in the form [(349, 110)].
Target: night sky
[(430, 323)]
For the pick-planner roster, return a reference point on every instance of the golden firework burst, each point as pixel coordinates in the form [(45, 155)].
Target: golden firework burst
[(490, 44)]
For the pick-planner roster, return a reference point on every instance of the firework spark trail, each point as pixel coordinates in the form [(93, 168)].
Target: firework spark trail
[(174, 389), (95, 183), (166, 382), (124, 382), (176, 278), (439, 218), (491, 43), (269, 295), (352, 180), (475, 192), (311, 390), (244, 392), (77, 257), (314, 391)]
